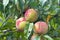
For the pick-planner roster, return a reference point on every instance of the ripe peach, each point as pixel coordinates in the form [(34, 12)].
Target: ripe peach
[(40, 27), (21, 23), (31, 15)]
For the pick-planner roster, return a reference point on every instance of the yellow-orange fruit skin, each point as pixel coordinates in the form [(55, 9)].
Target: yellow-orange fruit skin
[(21, 23)]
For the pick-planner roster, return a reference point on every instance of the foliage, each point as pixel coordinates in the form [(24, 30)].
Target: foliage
[(11, 10)]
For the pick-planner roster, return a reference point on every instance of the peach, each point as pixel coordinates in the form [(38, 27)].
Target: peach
[(41, 27), (31, 15), (21, 23)]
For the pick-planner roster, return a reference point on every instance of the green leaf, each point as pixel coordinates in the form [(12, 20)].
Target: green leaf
[(28, 30), (16, 1), (43, 1), (58, 1), (1, 21), (21, 4), (5, 2), (31, 25), (1, 7), (48, 37), (54, 24), (58, 38), (33, 4), (47, 5)]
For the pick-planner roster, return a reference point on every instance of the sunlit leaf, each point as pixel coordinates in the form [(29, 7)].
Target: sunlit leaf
[(5, 2), (30, 29), (48, 37)]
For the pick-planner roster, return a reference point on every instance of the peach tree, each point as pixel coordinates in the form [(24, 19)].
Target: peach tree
[(29, 19)]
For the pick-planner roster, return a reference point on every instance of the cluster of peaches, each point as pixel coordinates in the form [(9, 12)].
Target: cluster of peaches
[(31, 15)]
